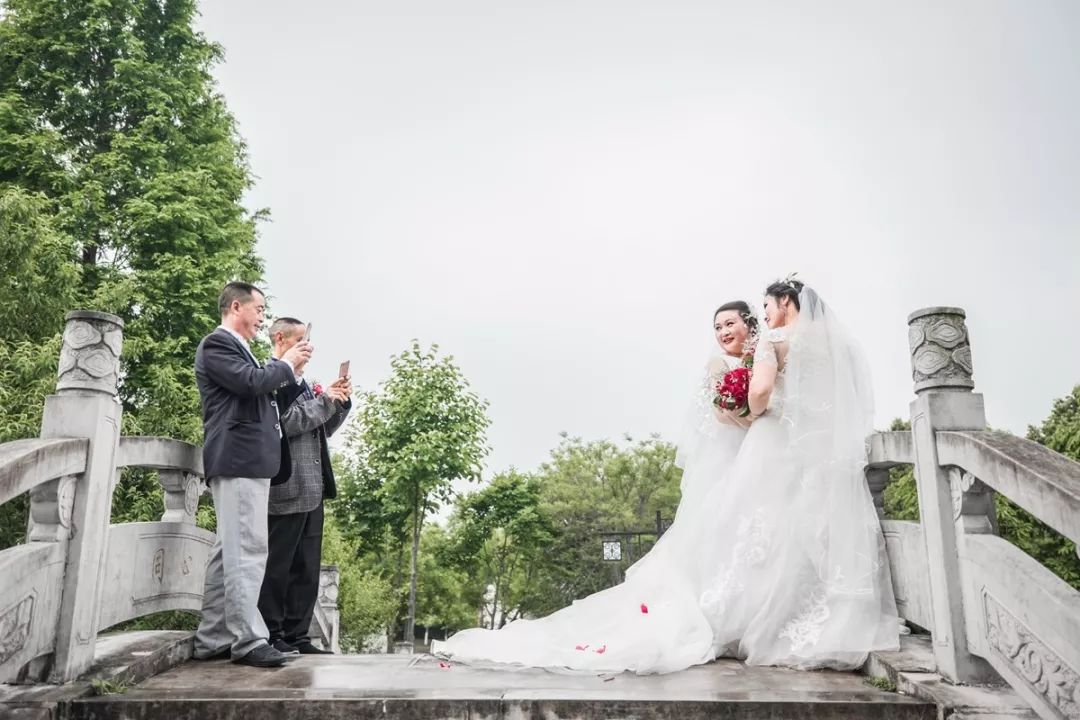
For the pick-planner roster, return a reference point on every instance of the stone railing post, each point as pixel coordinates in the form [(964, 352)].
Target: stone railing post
[(949, 504), (85, 406)]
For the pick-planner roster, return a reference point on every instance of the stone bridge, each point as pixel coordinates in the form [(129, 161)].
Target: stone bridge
[(995, 634)]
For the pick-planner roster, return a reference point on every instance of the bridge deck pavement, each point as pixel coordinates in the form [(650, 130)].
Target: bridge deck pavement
[(403, 686)]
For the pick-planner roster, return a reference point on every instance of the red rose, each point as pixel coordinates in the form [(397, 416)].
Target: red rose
[(317, 389)]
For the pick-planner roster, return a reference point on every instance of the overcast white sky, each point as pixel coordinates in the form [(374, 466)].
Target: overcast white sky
[(560, 192)]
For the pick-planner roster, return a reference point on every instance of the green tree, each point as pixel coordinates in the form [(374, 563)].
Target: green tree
[(366, 602), (423, 429), (593, 487), (501, 534), (901, 498), (1061, 433), (121, 184), (447, 595), (37, 283)]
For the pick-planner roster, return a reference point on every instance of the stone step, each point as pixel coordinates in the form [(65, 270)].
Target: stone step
[(913, 672), (400, 686)]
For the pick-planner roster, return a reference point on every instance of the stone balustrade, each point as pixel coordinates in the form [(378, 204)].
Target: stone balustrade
[(991, 609)]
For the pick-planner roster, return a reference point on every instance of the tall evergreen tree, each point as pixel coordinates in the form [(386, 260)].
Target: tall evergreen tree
[(121, 180)]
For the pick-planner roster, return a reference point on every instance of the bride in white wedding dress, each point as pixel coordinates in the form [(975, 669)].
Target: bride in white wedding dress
[(775, 555)]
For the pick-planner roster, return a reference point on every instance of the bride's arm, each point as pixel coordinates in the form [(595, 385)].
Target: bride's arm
[(763, 379)]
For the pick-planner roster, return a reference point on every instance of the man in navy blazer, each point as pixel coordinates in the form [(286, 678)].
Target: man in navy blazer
[(242, 451)]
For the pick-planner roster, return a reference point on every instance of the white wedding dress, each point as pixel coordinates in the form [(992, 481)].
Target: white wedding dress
[(775, 555)]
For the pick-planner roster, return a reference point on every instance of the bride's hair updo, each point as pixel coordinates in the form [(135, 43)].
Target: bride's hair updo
[(744, 312), (789, 288)]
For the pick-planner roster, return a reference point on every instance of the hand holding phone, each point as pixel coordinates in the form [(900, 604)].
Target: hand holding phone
[(343, 370), (307, 333)]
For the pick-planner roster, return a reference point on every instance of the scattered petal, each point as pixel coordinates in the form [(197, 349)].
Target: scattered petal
[(444, 666), (600, 650), (581, 647), (644, 609)]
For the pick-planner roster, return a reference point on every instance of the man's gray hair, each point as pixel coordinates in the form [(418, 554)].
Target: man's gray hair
[(283, 325)]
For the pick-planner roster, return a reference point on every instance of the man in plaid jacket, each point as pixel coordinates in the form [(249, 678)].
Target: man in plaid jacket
[(291, 585)]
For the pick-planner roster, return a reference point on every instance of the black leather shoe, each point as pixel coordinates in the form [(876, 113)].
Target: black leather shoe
[(284, 648), (306, 648), (263, 656)]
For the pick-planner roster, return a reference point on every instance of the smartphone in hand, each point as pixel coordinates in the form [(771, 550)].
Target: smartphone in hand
[(343, 369), (307, 333)]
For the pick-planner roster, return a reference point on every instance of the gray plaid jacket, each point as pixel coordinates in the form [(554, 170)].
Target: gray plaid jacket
[(307, 423)]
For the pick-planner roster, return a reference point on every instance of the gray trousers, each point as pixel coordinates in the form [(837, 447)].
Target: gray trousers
[(235, 568)]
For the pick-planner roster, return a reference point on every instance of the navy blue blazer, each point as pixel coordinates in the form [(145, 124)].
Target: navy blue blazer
[(241, 429)]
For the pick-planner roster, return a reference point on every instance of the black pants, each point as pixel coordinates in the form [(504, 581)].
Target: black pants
[(290, 588)]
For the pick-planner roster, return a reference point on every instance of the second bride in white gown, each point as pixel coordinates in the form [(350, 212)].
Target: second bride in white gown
[(653, 622)]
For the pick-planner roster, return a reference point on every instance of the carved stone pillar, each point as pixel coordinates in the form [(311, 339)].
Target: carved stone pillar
[(85, 406), (942, 370)]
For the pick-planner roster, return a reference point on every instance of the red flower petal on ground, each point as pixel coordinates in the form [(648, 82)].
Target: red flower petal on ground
[(600, 650), (644, 609), (581, 647), (444, 666)]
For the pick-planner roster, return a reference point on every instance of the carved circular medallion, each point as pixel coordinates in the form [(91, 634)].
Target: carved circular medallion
[(65, 500), (191, 496)]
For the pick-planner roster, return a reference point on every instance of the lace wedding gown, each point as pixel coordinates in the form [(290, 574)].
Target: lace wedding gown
[(776, 555)]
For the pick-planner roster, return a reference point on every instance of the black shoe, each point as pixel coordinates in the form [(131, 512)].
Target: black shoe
[(262, 656), (284, 648), (306, 648), (222, 654)]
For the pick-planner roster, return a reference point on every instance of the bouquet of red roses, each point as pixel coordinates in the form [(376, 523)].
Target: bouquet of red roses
[(733, 390)]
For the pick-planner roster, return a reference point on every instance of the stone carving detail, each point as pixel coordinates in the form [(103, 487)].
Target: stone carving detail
[(182, 491), (940, 349), (65, 500), (90, 357), (15, 625), (973, 503), (328, 586), (962, 357), (191, 495), (946, 333), (51, 505), (1039, 666), (159, 565)]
